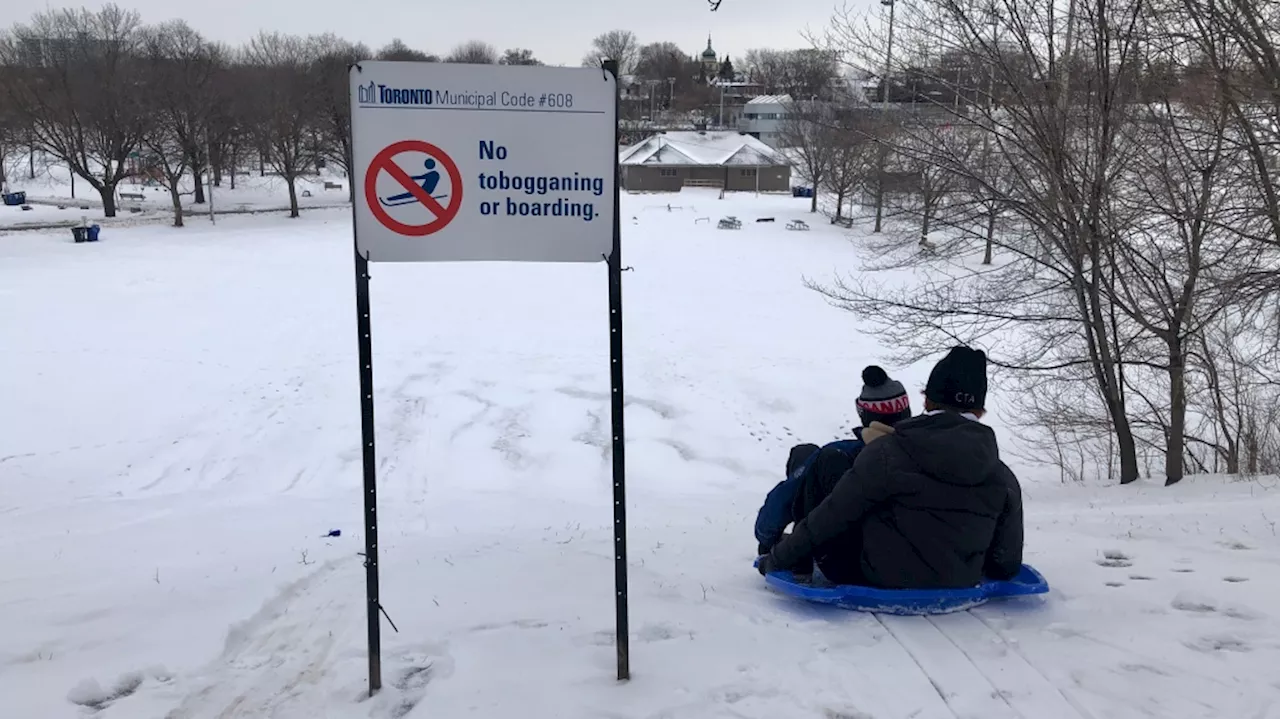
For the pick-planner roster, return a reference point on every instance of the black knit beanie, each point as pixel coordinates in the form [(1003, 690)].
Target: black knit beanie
[(959, 380), (882, 399)]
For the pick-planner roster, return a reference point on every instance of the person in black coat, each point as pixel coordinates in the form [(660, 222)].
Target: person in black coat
[(930, 506)]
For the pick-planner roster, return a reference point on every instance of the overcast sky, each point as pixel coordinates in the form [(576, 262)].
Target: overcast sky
[(558, 31)]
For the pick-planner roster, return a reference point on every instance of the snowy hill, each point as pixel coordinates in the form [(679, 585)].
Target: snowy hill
[(181, 429)]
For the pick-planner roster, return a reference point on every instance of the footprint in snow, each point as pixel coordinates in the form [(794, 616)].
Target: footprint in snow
[(1238, 546), (846, 714), (1194, 604), (1220, 643), (1113, 558), (1115, 584), (1235, 580), (660, 633), (1141, 578)]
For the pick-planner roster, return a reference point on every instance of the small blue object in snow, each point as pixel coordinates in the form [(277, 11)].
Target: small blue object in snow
[(908, 602), (334, 533)]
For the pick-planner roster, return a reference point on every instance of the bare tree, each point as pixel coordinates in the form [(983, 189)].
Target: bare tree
[(165, 161), (73, 80), (809, 139), (474, 52), (282, 113), (1059, 124), (181, 69), (8, 144), (802, 74), (333, 96), (396, 50), (854, 139), (620, 45), (519, 56), (930, 164), (1237, 44), (229, 121), (1185, 261)]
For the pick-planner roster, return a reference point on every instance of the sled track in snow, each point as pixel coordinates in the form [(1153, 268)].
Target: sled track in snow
[(975, 671), (282, 651), (1079, 711)]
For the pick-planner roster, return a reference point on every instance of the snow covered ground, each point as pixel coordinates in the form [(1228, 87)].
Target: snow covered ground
[(180, 428), (55, 200)]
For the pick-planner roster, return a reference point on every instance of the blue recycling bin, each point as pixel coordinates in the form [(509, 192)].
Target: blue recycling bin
[(93, 233), (13, 199)]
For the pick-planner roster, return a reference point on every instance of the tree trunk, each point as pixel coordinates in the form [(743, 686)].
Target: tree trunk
[(879, 202), (232, 172), (3, 178), (1173, 464), (108, 193), (262, 164), (991, 237), (177, 202), (925, 219), (197, 174), (1105, 363), (217, 174), (840, 204), (31, 160), (293, 197), (813, 203)]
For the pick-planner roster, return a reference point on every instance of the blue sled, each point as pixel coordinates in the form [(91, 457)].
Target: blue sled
[(908, 602), (396, 201)]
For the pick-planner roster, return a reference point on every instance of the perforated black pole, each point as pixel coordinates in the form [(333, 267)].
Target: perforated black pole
[(365, 344), (370, 473), (618, 408)]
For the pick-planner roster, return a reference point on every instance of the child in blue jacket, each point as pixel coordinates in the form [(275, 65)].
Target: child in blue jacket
[(812, 471)]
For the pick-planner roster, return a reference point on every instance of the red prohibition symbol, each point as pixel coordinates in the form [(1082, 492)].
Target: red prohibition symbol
[(415, 193)]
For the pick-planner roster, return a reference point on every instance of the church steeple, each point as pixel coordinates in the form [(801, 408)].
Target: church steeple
[(710, 61)]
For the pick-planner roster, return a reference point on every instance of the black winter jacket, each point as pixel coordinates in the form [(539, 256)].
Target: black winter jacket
[(932, 504)]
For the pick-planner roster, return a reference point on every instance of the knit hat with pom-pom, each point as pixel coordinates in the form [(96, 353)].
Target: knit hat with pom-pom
[(882, 399)]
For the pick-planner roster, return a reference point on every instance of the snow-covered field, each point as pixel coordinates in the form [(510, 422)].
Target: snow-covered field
[(180, 427), (55, 199)]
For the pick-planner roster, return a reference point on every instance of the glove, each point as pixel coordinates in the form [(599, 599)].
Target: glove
[(766, 564), (763, 549)]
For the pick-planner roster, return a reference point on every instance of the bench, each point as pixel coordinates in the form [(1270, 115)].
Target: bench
[(333, 186), (133, 196), (846, 222)]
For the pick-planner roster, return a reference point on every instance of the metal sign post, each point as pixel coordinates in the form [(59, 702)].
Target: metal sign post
[(455, 163), (618, 410)]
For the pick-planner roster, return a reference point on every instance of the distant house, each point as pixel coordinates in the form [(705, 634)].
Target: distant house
[(765, 117), (669, 161)]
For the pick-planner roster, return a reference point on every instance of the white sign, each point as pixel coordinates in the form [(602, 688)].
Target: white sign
[(483, 162)]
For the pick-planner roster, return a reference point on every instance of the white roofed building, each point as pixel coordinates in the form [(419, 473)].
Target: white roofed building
[(670, 161), (764, 117)]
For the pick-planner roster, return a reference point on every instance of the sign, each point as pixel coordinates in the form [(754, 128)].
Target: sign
[(479, 162), (391, 161), (483, 162)]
